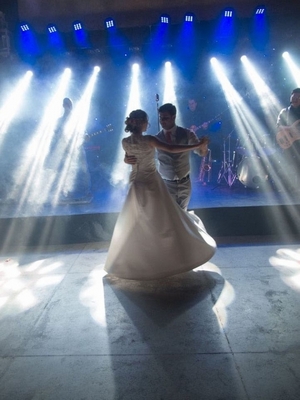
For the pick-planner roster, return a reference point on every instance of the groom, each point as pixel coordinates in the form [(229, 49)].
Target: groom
[(174, 168)]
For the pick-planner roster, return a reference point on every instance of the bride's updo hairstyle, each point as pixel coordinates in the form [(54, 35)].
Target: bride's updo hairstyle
[(135, 120)]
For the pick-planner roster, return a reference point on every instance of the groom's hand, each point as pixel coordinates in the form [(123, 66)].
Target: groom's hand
[(130, 159)]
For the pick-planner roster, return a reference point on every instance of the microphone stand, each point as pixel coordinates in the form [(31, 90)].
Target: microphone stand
[(157, 107)]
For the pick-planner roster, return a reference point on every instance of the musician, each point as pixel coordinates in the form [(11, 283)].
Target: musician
[(287, 121), (192, 117)]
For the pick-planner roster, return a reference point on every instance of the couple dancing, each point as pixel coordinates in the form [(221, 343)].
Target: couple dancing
[(155, 236)]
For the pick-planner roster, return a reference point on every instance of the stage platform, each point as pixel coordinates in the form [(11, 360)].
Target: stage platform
[(226, 211)]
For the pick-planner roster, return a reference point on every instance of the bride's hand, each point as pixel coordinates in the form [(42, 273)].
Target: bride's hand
[(131, 160)]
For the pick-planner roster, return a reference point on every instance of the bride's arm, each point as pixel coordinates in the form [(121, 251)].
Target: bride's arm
[(172, 148)]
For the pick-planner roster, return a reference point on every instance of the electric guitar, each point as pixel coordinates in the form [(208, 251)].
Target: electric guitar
[(287, 135), (206, 124), (108, 128)]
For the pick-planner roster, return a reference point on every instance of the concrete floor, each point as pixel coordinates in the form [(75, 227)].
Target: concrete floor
[(229, 330)]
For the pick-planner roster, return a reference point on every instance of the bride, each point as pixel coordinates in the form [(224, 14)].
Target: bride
[(153, 237)]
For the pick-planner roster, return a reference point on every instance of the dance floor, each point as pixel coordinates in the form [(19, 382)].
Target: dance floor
[(226, 330)]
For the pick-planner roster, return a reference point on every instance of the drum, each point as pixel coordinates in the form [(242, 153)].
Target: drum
[(245, 147), (245, 151), (267, 145), (251, 172)]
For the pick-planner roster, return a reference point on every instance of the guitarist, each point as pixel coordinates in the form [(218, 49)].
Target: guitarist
[(287, 118), (193, 117)]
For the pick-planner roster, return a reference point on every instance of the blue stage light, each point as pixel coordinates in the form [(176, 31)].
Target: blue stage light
[(52, 28), (260, 10), (260, 28), (228, 13), (189, 17), (24, 27), (55, 40), (27, 41), (77, 26), (80, 35), (109, 23), (164, 19)]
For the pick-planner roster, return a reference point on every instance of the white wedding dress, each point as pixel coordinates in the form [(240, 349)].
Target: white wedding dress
[(153, 237)]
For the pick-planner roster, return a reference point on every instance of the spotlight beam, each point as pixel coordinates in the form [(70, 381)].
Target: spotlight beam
[(248, 126), (13, 103), (268, 101), (29, 174), (120, 170), (295, 71), (74, 137)]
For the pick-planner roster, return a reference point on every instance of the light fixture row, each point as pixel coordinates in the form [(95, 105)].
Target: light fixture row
[(164, 19)]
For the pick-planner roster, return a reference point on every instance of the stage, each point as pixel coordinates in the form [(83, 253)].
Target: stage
[(227, 211)]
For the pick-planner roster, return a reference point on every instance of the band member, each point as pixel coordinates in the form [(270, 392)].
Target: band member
[(288, 135), (192, 117), (175, 169)]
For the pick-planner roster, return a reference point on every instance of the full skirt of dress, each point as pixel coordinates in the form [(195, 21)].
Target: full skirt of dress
[(154, 238)]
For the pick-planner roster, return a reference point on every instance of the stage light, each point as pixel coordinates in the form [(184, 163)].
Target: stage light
[(285, 55), (29, 45), (225, 32), (293, 67), (96, 68), (117, 42), (250, 129), (267, 98), (80, 35), (109, 23), (260, 29), (52, 28), (186, 43), (189, 17), (260, 10), (24, 27), (29, 178), (13, 103), (164, 19), (55, 39), (228, 13), (161, 41), (169, 95), (269, 104), (77, 26), (119, 175), (135, 67)]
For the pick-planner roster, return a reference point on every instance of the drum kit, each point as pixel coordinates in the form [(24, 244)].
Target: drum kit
[(247, 163)]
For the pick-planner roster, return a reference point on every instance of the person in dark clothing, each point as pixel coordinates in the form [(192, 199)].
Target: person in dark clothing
[(288, 138)]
